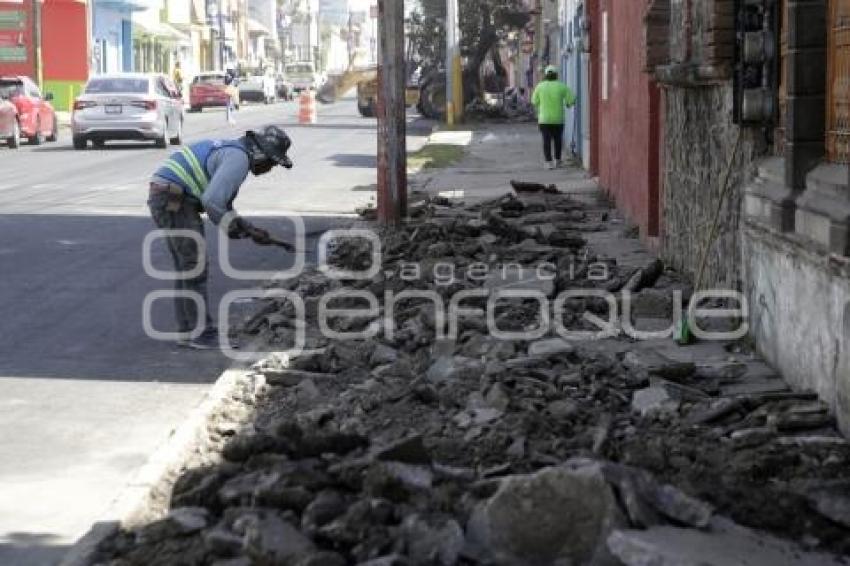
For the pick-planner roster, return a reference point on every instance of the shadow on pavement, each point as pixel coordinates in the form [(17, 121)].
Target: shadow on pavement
[(30, 549), (75, 286), (110, 146), (360, 160)]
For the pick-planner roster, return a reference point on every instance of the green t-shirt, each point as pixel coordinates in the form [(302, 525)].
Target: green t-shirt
[(550, 98)]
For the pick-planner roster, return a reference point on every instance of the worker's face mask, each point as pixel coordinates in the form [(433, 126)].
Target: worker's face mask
[(261, 166)]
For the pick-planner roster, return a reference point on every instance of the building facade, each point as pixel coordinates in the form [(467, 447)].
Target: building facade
[(64, 41), (738, 112), (112, 35)]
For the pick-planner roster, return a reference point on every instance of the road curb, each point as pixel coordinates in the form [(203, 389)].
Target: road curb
[(146, 497)]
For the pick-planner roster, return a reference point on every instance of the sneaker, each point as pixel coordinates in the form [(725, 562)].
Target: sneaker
[(560, 164), (208, 340), (549, 165)]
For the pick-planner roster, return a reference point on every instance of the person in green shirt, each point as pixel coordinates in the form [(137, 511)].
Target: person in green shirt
[(550, 98)]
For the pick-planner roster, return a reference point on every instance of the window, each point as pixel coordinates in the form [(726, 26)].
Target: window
[(10, 89), (161, 89), (32, 89), (838, 85), (117, 86)]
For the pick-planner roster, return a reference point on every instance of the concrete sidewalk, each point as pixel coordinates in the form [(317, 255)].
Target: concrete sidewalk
[(497, 154)]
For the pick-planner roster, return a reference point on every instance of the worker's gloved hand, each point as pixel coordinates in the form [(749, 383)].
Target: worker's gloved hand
[(260, 236), (239, 229)]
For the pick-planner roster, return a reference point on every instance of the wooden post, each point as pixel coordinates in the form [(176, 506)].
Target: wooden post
[(392, 115)]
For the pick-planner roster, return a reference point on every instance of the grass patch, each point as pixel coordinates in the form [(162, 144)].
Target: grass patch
[(435, 156)]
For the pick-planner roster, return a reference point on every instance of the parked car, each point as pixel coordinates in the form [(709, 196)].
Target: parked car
[(36, 117), (257, 87), (207, 90), (128, 106), (284, 88), (303, 76), (10, 131)]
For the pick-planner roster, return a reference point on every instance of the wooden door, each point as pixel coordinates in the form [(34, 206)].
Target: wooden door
[(838, 83)]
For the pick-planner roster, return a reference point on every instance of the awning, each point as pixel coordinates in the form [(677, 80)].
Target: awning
[(256, 28), (161, 31)]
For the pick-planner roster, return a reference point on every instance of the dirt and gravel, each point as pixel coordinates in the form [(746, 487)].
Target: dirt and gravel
[(409, 447)]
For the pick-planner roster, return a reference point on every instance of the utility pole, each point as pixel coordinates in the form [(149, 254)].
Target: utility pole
[(454, 74), (392, 115)]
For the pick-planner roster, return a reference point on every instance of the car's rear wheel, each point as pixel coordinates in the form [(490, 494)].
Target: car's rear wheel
[(14, 141), (54, 132), (178, 135), (99, 144), (80, 142), (162, 141), (38, 137), (367, 110)]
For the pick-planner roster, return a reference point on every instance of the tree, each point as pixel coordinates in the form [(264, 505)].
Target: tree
[(483, 24)]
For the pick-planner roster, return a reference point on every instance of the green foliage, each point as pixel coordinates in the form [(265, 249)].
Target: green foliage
[(482, 23)]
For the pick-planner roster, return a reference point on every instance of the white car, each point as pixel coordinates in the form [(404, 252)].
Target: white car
[(128, 106), (303, 76), (259, 88)]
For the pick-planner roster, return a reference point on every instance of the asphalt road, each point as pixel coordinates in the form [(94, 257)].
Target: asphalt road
[(85, 395)]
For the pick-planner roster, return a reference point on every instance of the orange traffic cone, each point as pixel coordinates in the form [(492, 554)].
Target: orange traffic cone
[(307, 113)]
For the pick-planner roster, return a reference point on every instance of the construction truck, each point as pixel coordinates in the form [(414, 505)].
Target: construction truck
[(365, 79)]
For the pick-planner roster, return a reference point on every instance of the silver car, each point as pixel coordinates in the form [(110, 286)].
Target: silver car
[(128, 106)]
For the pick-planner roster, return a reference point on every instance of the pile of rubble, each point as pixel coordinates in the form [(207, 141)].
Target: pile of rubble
[(409, 447)]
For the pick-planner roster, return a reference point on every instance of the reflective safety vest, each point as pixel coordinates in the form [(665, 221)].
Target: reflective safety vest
[(188, 167)]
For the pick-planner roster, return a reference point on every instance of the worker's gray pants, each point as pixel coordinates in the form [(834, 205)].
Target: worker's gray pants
[(185, 254)]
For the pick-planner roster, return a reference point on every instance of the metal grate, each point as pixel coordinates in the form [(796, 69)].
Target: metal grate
[(838, 91)]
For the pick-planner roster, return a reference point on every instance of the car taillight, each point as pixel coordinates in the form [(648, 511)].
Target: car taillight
[(146, 104), (83, 104)]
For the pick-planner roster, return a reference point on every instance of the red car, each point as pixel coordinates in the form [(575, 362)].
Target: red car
[(10, 133), (206, 90), (36, 117)]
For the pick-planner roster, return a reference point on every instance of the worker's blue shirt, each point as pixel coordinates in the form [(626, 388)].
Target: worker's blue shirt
[(226, 165)]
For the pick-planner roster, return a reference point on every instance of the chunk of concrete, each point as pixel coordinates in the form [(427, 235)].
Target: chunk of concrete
[(731, 545), (559, 515), (550, 347), (653, 400), (526, 280)]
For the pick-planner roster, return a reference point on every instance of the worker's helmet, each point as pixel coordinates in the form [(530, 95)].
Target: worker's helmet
[(272, 142)]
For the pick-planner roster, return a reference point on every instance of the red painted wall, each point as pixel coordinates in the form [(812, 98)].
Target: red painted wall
[(626, 129), (16, 31), (65, 40)]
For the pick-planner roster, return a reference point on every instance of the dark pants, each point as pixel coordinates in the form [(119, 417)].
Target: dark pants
[(185, 253), (552, 134)]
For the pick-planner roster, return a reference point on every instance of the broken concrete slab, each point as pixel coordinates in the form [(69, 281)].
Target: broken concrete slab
[(654, 400), (550, 347), (558, 515), (730, 545), (657, 364)]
